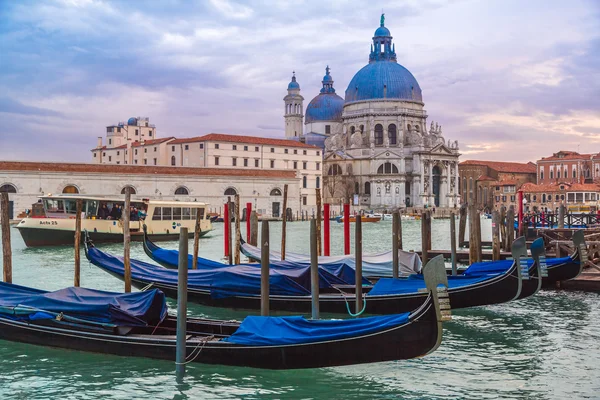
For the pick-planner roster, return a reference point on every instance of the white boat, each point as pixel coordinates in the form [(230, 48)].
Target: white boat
[(382, 217), (56, 225)]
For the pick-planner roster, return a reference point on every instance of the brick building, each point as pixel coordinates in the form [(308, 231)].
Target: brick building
[(568, 166), (491, 184)]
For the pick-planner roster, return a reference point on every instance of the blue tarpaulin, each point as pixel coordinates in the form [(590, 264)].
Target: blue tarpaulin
[(412, 284), (275, 331), (123, 309), (222, 282), (494, 267)]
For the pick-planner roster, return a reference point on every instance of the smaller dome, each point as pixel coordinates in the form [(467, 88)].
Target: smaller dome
[(325, 107), (382, 31), (132, 121), (293, 84)]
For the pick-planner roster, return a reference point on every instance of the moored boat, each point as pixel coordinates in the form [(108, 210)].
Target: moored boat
[(363, 218), (102, 218)]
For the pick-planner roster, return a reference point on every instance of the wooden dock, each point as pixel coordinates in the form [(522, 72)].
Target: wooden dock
[(587, 281)]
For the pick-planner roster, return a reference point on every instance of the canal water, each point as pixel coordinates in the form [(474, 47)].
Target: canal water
[(544, 347)]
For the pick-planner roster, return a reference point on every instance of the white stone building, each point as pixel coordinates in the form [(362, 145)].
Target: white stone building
[(376, 140), (25, 181)]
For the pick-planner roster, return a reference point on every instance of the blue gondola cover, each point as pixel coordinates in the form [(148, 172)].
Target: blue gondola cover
[(494, 267), (414, 283)]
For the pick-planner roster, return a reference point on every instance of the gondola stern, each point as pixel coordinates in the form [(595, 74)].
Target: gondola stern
[(436, 281), (519, 252)]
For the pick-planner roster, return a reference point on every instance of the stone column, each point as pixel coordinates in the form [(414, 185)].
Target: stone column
[(402, 196), (431, 197)]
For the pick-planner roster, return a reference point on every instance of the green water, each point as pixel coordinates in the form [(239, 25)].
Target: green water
[(544, 347)]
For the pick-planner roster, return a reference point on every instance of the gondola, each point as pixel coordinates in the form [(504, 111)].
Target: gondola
[(557, 269), (387, 296), (137, 325), (373, 265)]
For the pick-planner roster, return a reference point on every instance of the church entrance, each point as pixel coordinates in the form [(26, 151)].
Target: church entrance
[(275, 212), (436, 184)]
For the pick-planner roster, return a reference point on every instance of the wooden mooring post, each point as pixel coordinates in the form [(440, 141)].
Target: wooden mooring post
[(182, 282), (326, 230), (346, 228), (478, 236), (77, 271), (358, 263), (314, 270), (462, 225), (253, 228), (264, 269), (425, 236), (453, 244), (319, 248), (226, 227), (561, 217), (395, 223), (510, 228), (231, 208), (127, 240), (503, 227), (248, 213), (6, 249), (197, 233), (472, 236), (284, 222), (238, 231), (495, 235)]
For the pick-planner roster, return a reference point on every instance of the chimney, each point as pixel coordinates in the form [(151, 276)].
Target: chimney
[(99, 144)]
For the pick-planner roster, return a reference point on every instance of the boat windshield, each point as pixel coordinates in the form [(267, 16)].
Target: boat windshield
[(92, 208), (54, 208)]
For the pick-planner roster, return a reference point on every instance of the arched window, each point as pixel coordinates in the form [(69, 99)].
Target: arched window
[(392, 134), (356, 188), (304, 182), (575, 173), (8, 188), (349, 169), (131, 189), (551, 174), (276, 192), (367, 187), (417, 128), (230, 192), (542, 175), (378, 135), (173, 160), (408, 127), (334, 170), (318, 182), (70, 189), (387, 168), (544, 195), (182, 190), (352, 130), (558, 174)]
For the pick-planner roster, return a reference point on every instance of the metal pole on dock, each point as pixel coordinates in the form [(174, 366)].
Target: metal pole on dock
[(495, 235), (314, 270), (346, 228), (182, 282), (264, 269), (127, 239), (197, 233), (284, 222), (358, 262), (253, 228), (238, 230), (248, 212), (6, 249), (77, 277), (462, 224), (319, 247), (326, 222), (226, 229), (453, 243), (395, 223)]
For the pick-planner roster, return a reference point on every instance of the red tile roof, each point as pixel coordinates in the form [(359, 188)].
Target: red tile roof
[(485, 178), (221, 137), (567, 155), (151, 142), (123, 146), (519, 168), (555, 187), (143, 170), (508, 182)]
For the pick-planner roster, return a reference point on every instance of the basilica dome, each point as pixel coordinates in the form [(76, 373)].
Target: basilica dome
[(327, 105), (383, 77)]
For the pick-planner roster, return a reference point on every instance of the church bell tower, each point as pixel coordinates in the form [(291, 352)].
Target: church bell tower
[(293, 110)]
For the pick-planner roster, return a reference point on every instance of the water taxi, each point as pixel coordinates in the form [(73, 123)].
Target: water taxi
[(102, 218)]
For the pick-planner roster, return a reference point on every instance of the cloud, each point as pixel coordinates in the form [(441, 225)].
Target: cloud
[(11, 106)]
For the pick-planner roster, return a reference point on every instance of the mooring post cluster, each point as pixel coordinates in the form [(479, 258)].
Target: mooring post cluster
[(6, 246)]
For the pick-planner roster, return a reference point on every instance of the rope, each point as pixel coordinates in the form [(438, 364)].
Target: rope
[(147, 287), (203, 342), (348, 305)]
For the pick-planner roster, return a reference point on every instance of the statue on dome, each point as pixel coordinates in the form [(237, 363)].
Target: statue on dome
[(382, 19)]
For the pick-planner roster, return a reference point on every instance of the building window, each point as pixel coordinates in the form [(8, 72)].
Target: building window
[(109, 141), (327, 129), (534, 197), (245, 162), (551, 174), (285, 151), (149, 133), (295, 164), (558, 174), (118, 162), (304, 164), (272, 149), (256, 163), (201, 145), (245, 148), (137, 132), (69, 189), (230, 192), (187, 146), (135, 161), (497, 199), (504, 198), (318, 166), (272, 163), (118, 130), (234, 161), (234, 147), (318, 153), (109, 158), (295, 151), (182, 190), (109, 130), (95, 154), (542, 175), (131, 190), (334, 170), (304, 182), (145, 150), (172, 160), (216, 160), (172, 148), (136, 152), (367, 187), (155, 149), (304, 201), (145, 161), (216, 145), (318, 182), (275, 192), (304, 152), (256, 148), (387, 168), (378, 135), (574, 174), (155, 161), (392, 134), (512, 198)]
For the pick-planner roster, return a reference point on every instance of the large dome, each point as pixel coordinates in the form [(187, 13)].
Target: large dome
[(383, 80), (325, 107)]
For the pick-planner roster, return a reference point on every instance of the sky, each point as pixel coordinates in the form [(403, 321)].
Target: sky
[(511, 80)]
